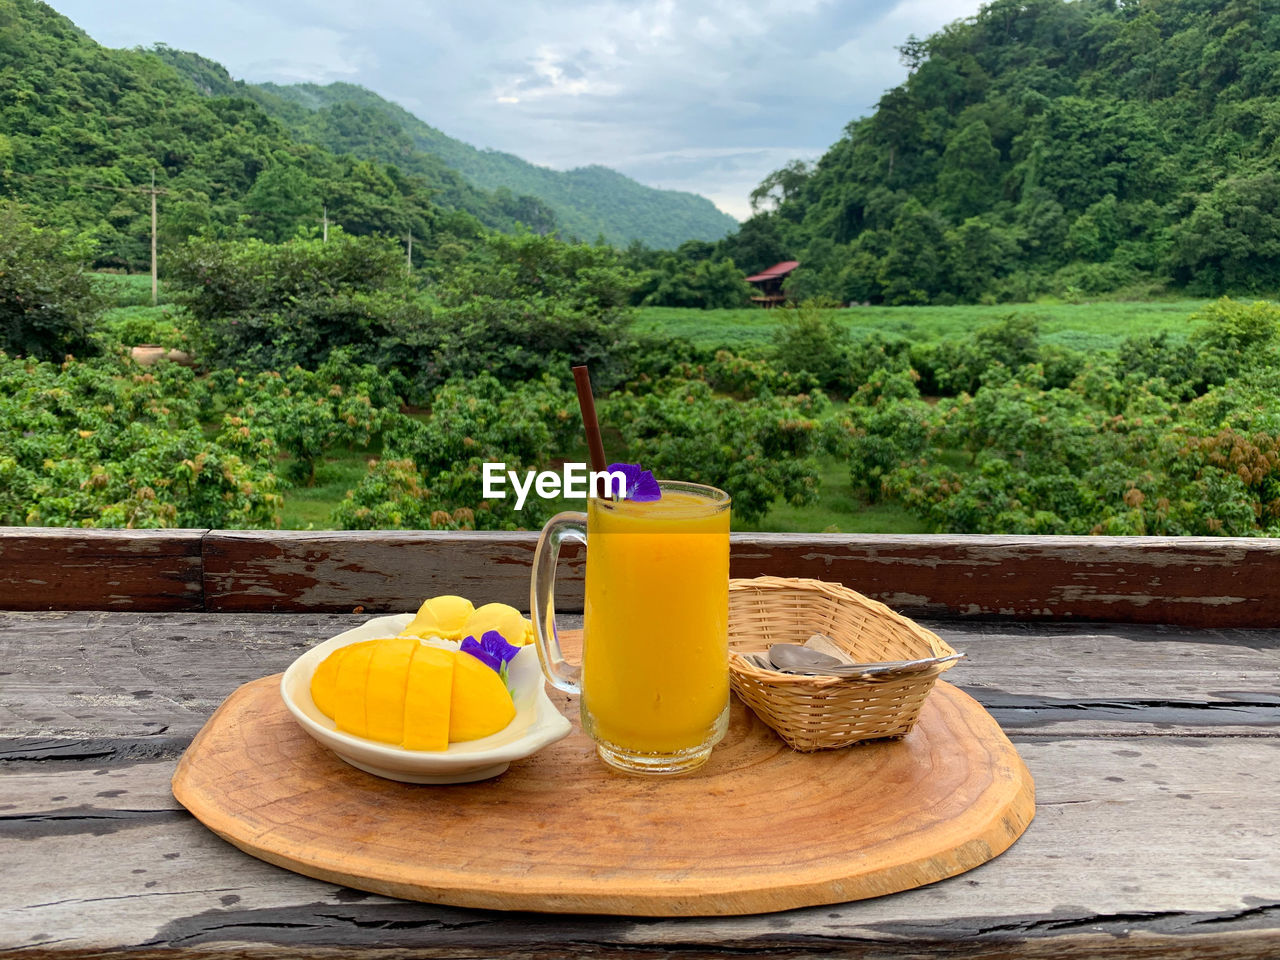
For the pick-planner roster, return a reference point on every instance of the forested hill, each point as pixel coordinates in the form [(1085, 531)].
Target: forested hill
[(585, 202), (1049, 146), (84, 128)]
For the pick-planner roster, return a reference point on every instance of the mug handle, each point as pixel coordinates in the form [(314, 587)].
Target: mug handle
[(542, 599)]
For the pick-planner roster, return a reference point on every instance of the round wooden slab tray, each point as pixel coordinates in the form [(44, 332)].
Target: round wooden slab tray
[(759, 828)]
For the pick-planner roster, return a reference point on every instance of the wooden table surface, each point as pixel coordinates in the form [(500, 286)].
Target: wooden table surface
[(1155, 750)]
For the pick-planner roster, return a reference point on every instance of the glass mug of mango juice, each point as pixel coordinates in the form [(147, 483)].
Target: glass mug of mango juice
[(654, 678)]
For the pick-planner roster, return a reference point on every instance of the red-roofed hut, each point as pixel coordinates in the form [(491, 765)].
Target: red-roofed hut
[(769, 283)]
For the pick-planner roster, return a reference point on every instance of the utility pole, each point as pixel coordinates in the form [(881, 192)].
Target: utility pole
[(155, 276), (324, 219), (408, 263)]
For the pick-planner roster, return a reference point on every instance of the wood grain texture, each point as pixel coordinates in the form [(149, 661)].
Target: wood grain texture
[(1206, 582), (121, 687), (103, 861), (1210, 582), (1196, 581), (377, 571), (52, 568), (759, 829)]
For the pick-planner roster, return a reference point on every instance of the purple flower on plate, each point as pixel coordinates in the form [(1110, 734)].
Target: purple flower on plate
[(640, 485), (492, 650)]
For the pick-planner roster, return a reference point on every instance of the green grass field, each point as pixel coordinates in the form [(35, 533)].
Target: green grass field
[(1081, 326), (127, 289)]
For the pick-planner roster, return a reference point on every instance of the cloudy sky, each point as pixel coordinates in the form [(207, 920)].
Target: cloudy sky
[(701, 95)]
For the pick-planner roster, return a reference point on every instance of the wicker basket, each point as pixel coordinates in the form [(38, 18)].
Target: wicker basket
[(820, 713)]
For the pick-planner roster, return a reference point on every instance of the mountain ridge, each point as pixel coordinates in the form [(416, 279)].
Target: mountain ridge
[(588, 201)]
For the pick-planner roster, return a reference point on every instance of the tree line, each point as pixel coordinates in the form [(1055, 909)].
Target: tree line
[(1046, 146)]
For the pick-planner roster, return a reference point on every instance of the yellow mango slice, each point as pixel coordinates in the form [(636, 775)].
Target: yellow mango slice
[(349, 710), (515, 629), (427, 699), (399, 690), (324, 682), (440, 617), (479, 704), (385, 689)]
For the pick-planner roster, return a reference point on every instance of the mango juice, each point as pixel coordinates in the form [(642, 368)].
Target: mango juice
[(655, 675)]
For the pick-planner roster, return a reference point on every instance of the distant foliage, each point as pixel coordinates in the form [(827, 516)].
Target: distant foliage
[(706, 284), (1064, 147), (429, 476), (83, 129), (757, 450), (582, 203), (260, 306), (521, 306), (105, 444), (47, 303)]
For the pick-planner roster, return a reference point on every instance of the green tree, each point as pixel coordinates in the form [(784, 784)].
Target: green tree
[(282, 199), (1096, 232), (519, 306), (262, 306), (808, 340), (1231, 240), (47, 304), (969, 180), (978, 252), (708, 284), (914, 268), (758, 244)]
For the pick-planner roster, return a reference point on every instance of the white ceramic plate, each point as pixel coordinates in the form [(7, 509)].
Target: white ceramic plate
[(536, 724)]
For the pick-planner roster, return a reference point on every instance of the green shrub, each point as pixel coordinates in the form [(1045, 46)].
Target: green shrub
[(431, 470), (260, 306), (757, 450), (522, 306), (122, 327), (809, 341), (47, 301), (105, 444)]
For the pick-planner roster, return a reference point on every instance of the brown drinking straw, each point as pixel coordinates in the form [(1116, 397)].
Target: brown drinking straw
[(587, 403)]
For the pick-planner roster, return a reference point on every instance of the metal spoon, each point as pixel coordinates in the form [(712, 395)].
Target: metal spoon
[(793, 658)]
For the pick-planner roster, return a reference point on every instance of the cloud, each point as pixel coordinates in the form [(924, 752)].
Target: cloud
[(255, 41), (320, 55), (702, 95)]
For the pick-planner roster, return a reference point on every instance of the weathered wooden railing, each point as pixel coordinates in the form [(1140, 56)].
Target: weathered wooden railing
[(1203, 582), (1153, 746)]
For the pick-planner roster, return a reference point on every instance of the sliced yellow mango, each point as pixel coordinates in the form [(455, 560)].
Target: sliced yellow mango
[(324, 682), (514, 628), (427, 699), (385, 690), (399, 690), (440, 617), (350, 699), (479, 704)]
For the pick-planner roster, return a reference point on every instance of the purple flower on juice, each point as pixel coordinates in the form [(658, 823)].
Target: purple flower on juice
[(640, 485)]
